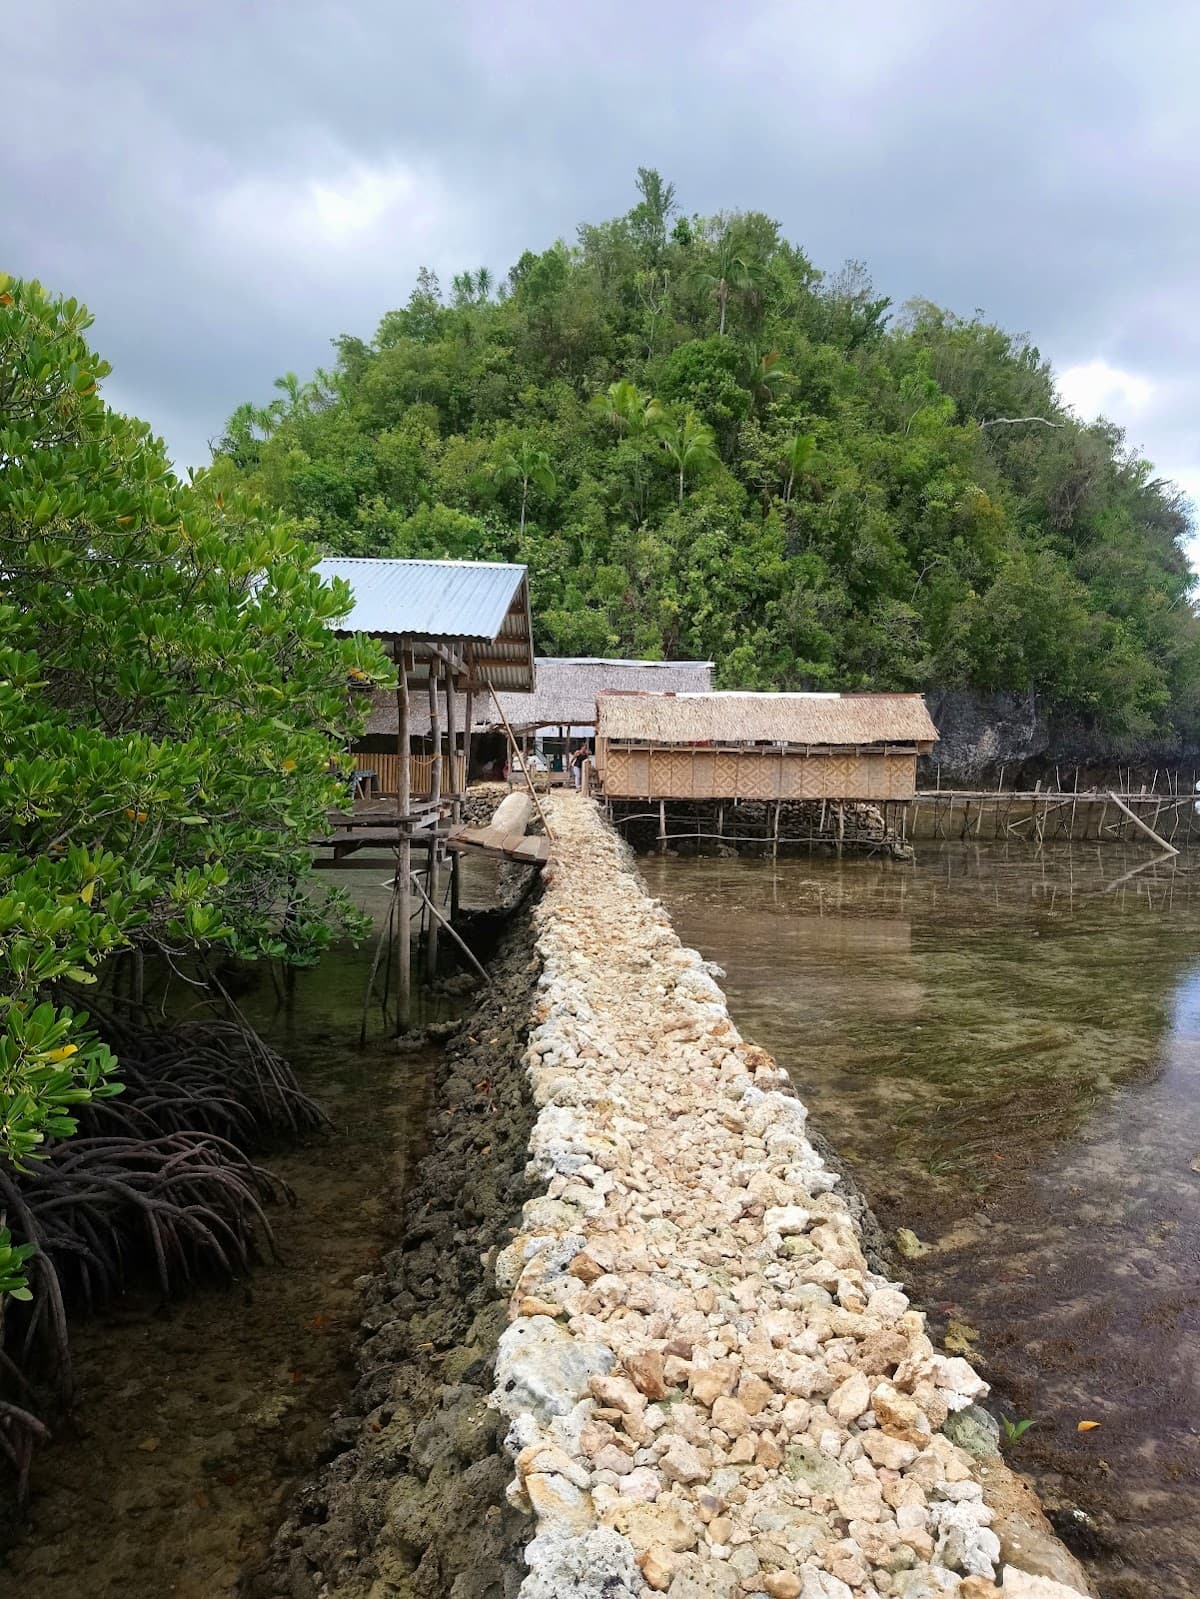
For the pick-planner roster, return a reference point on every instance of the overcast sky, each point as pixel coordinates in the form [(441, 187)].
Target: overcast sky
[(231, 183)]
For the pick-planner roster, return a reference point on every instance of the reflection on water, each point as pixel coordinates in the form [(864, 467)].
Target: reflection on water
[(1005, 1047)]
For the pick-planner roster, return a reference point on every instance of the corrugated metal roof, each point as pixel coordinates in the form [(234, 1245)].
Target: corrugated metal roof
[(738, 718), (439, 600)]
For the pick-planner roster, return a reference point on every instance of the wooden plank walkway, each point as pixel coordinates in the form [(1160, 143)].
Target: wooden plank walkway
[(508, 844)]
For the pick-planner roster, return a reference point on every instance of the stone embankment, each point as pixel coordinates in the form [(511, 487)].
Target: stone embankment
[(709, 1392)]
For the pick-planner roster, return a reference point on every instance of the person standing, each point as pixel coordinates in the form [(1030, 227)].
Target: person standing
[(578, 756)]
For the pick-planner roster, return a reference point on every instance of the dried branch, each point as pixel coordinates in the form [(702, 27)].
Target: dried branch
[(1014, 421)]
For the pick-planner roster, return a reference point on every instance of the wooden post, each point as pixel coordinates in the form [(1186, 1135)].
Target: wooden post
[(841, 825), (453, 786), (512, 744), (435, 795), (468, 717), (775, 832), (456, 789), (662, 827), (403, 907)]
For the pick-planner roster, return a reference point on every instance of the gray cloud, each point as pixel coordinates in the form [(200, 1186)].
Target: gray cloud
[(232, 183)]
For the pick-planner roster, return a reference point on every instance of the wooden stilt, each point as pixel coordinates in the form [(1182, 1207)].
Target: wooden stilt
[(435, 794), (775, 832), (457, 787), (662, 827), (453, 787), (468, 717), (403, 906)]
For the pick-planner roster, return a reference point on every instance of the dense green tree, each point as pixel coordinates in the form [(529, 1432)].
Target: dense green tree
[(173, 711), (739, 456)]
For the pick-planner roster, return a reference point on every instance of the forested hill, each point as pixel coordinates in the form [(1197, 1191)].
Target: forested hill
[(703, 446)]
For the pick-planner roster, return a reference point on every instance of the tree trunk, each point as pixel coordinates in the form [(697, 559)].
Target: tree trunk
[(723, 297), (681, 485), (524, 502)]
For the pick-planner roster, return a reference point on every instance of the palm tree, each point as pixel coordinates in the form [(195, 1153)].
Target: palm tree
[(797, 456), (731, 270), (765, 377), (472, 288), (525, 465), (688, 443), (625, 408)]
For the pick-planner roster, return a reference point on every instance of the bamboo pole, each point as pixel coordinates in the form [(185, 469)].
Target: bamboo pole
[(1143, 827), (403, 847), (435, 916), (524, 764)]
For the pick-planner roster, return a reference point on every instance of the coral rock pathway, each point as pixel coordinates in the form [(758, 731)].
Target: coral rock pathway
[(710, 1393)]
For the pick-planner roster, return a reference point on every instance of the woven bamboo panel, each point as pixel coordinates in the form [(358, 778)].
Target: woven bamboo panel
[(750, 774), (387, 770), (722, 774)]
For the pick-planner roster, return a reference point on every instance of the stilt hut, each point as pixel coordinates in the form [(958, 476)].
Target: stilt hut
[(462, 622), (561, 711), (556, 715), (831, 749)]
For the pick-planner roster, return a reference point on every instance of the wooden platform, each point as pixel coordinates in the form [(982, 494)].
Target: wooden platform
[(507, 844)]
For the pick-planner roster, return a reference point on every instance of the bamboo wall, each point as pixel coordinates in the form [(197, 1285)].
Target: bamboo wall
[(662, 772), (420, 766)]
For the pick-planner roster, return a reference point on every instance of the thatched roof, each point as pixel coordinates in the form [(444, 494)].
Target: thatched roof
[(565, 694), (733, 718)]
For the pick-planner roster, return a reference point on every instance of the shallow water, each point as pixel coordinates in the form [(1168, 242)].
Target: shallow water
[(1005, 1048), (197, 1419)]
